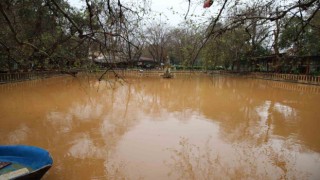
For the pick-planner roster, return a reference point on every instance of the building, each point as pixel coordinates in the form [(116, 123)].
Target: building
[(123, 62), (286, 64)]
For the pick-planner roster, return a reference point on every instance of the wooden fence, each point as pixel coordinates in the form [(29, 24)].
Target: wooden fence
[(149, 73), (16, 77), (305, 79)]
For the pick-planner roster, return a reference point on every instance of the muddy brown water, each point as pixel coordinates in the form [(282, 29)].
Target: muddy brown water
[(152, 128)]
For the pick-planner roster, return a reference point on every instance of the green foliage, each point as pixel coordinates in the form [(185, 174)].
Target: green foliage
[(42, 39), (225, 50), (301, 38), (184, 42), (181, 67), (49, 34)]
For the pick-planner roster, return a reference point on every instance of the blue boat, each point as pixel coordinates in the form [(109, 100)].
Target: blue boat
[(23, 162)]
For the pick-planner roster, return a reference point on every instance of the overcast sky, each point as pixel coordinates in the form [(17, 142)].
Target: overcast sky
[(174, 10)]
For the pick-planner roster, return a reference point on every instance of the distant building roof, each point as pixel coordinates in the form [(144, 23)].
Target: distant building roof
[(109, 59), (98, 57), (146, 59)]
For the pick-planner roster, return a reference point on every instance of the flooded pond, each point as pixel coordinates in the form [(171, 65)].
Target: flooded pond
[(152, 128)]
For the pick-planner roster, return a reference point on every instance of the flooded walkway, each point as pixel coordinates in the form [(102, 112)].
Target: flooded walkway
[(153, 128)]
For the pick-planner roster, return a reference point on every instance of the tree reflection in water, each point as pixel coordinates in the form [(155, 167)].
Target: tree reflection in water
[(192, 162)]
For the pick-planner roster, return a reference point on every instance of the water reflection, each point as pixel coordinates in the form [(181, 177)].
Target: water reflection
[(189, 161), (285, 110), (19, 135), (152, 128), (83, 147)]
